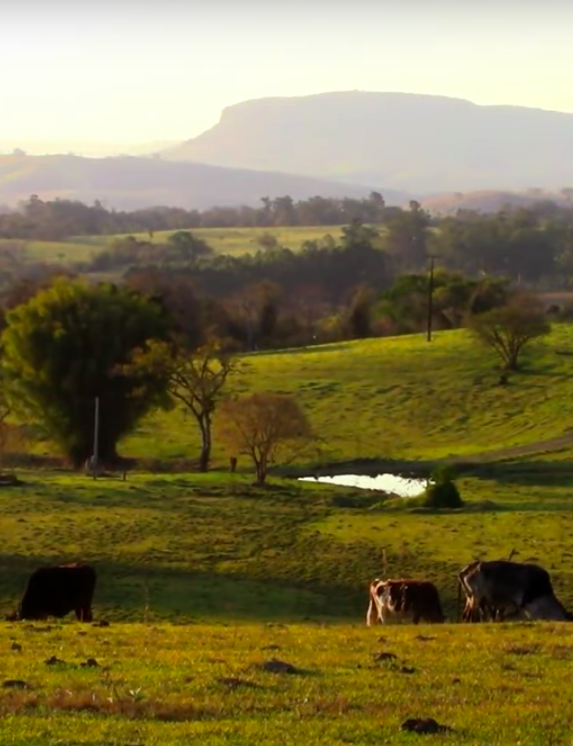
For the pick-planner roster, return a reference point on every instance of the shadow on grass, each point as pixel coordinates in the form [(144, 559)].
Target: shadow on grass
[(314, 349), (135, 593), (538, 473)]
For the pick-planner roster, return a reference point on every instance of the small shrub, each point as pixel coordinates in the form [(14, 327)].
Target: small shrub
[(442, 492)]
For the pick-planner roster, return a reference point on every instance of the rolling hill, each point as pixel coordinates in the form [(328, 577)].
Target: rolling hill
[(487, 200), (418, 143), (131, 182)]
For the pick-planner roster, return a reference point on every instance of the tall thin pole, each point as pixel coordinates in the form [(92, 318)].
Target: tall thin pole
[(96, 436), (431, 297)]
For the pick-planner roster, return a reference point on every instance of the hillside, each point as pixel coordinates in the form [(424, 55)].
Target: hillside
[(401, 398), (487, 201), (131, 183), (84, 147), (418, 143)]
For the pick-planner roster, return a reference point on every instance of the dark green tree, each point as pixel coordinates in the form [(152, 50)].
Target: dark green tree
[(66, 346), (187, 247)]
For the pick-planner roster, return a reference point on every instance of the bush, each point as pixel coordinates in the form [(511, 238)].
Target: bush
[(443, 492)]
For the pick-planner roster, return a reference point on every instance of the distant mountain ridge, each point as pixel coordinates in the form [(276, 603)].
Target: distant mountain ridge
[(417, 143), (131, 183), (86, 148)]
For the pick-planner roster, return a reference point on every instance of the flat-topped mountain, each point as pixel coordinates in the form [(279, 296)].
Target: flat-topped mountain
[(417, 143)]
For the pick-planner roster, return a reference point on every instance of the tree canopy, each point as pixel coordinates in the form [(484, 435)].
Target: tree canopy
[(65, 346)]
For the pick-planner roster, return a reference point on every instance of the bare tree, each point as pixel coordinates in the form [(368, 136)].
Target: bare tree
[(510, 328), (265, 426)]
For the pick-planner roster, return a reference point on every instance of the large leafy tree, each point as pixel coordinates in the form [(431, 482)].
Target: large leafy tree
[(66, 346)]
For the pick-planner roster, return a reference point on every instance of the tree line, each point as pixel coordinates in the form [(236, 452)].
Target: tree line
[(533, 245), (59, 219)]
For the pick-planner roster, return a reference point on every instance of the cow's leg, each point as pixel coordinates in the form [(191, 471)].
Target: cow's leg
[(416, 618), (468, 610), (83, 612), (372, 613)]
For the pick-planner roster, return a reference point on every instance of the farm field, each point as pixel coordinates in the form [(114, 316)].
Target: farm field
[(53, 252), (401, 398), (166, 684), (236, 241), (212, 548), (204, 577), (233, 241)]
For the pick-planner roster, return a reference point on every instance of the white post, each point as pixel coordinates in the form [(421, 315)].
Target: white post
[(96, 437)]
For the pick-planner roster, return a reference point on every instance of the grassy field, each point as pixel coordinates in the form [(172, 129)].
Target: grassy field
[(234, 241), (402, 398), (205, 577), (191, 547), (164, 684), (204, 580)]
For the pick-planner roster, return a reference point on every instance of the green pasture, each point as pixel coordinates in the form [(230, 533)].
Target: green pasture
[(237, 241), (163, 684), (402, 398), (232, 241), (52, 252), (203, 548), (203, 578)]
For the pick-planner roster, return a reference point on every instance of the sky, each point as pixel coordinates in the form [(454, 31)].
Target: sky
[(139, 71)]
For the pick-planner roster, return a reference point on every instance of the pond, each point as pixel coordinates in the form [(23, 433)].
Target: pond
[(402, 486)]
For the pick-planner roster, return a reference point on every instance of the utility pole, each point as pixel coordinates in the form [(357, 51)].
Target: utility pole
[(96, 438), (431, 297)]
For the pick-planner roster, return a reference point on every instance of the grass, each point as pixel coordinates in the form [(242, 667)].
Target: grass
[(191, 547), (237, 241), (164, 684), (234, 241), (401, 398), (204, 577)]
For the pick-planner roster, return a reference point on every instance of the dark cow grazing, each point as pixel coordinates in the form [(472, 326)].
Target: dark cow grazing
[(55, 591), (501, 587), (403, 599)]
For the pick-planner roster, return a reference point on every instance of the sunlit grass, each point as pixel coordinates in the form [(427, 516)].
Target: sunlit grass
[(173, 685), (233, 241), (401, 398)]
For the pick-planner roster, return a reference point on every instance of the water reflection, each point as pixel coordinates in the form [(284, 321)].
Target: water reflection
[(386, 482)]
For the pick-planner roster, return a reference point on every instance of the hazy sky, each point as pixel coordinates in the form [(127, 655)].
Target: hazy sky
[(127, 71)]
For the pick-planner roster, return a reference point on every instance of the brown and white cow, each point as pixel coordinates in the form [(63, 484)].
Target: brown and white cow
[(500, 587), (403, 599)]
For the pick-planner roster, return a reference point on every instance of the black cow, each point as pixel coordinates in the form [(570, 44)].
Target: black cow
[(57, 590), (510, 587)]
